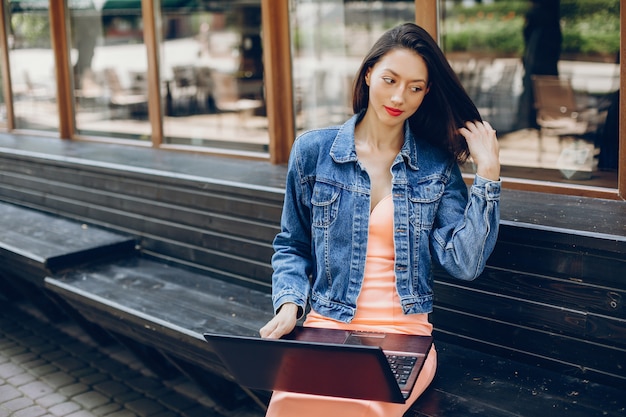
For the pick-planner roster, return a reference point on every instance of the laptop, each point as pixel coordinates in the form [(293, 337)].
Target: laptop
[(338, 363)]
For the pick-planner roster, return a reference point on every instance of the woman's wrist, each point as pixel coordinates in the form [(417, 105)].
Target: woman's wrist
[(288, 309), (490, 173)]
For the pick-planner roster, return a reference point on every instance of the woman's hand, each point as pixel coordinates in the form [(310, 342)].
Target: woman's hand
[(283, 322), (484, 148)]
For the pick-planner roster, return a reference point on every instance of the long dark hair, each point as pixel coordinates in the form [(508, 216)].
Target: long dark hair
[(445, 108)]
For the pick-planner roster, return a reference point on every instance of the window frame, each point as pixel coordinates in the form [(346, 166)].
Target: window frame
[(278, 88), (427, 13)]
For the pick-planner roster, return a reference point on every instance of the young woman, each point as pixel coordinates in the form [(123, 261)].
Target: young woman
[(371, 204)]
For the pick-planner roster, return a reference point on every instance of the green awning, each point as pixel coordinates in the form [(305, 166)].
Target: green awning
[(136, 4), (42, 5)]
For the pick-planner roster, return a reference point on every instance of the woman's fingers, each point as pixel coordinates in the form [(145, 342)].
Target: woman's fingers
[(484, 148), (281, 324)]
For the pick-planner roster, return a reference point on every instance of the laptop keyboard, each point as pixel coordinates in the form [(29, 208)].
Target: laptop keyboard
[(401, 366)]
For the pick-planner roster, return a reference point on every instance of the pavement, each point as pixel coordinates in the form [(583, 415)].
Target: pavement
[(55, 370)]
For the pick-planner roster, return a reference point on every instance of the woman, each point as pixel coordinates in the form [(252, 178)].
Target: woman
[(369, 206)]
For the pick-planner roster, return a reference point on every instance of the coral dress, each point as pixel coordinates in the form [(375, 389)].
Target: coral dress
[(378, 309)]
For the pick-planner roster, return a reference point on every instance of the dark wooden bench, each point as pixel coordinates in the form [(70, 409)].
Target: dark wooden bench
[(473, 383), (35, 244), (155, 308), (168, 309), (543, 331), (476, 374), (160, 311)]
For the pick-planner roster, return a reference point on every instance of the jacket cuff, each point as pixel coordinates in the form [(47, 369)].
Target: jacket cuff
[(490, 189)]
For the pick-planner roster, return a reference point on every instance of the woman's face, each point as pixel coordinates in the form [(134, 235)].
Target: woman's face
[(398, 83)]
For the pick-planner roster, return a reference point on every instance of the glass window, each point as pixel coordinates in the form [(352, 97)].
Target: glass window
[(3, 106), (33, 81), (109, 61), (212, 75), (330, 39), (545, 73)]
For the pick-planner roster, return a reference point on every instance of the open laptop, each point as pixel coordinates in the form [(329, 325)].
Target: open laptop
[(339, 363)]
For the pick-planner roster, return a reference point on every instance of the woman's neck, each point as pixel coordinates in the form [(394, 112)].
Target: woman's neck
[(372, 134)]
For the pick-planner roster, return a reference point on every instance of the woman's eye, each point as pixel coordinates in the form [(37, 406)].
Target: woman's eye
[(388, 80), (416, 89)]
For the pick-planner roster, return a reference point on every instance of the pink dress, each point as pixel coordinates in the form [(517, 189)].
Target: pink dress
[(378, 309)]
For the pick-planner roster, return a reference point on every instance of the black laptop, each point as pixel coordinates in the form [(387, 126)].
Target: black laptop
[(339, 363)]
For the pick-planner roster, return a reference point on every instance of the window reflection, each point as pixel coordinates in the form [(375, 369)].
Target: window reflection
[(109, 61), (330, 39), (31, 59), (545, 73), (3, 107), (212, 75)]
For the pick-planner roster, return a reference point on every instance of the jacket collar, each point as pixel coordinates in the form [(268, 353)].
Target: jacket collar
[(343, 148)]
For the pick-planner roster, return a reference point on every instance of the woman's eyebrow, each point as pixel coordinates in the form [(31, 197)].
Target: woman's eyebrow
[(397, 75)]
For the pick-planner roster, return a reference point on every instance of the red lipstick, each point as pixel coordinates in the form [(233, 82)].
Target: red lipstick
[(393, 112)]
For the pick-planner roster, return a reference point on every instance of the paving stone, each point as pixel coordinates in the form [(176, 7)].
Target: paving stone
[(36, 389), (58, 379), (144, 407), (21, 379), (80, 349), (43, 348), (43, 370), (111, 388), (51, 399), (128, 396), (54, 355), (106, 409), (17, 404), (27, 356), (33, 341), (91, 399), (8, 393), (6, 343), (9, 369), (94, 378), (144, 384), (81, 413), (64, 408), (65, 376), (70, 363), (121, 413), (35, 363), (166, 413), (74, 389), (33, 411), (15, 350), (108, 365), (82, 372)]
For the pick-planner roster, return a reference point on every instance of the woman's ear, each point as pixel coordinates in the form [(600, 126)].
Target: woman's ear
[(367, 76)]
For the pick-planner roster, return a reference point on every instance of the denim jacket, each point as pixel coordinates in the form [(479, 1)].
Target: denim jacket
[(321, 248)]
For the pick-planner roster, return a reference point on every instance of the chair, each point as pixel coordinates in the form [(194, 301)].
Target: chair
[(204, 87), (133, 101), (227, 99), (558, 114), (185, 89)]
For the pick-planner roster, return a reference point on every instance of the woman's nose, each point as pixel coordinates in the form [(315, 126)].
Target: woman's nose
[(397, 96)]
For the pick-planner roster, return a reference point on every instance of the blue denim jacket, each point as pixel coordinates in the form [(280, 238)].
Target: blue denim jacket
[(321, 248)]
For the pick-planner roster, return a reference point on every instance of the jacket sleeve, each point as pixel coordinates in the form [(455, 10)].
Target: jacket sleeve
[(292, 260), (466, 227)]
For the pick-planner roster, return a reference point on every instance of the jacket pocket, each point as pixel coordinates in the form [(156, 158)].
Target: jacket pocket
[(325, 204), (424, 199)]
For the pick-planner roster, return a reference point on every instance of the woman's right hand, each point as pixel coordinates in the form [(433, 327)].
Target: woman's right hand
[(283, 322)]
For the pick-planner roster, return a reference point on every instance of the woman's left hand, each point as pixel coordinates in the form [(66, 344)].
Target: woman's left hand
[(484, 148)]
